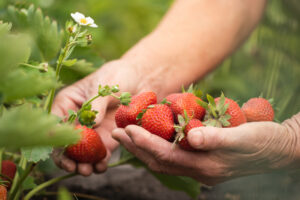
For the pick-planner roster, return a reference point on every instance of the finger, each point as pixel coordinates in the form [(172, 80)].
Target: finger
[(101, 166), (161, 149), (62, 161), (85, 169), (100, 105), (121, 136), (68, 98), (212, 138)]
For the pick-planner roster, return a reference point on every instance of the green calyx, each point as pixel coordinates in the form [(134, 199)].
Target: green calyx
[(124, 98), (179, 128), (87, 117), (192, 89), (215, 112)]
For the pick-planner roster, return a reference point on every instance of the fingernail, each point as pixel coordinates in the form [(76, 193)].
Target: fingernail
[(196, 139)]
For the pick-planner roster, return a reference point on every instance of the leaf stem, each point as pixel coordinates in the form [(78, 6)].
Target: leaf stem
[(115, 96), (89, 101), (46, 184), (32, 66)]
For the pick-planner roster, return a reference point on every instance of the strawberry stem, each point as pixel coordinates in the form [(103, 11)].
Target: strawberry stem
[(46, 184)]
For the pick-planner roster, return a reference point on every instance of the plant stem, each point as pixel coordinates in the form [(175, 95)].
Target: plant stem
[(22, 164), (118, 163), (113, 95), (14, 155), (92, 99), (46, 184), (32, 66), (1, 155), (22, 179), (58, 68)]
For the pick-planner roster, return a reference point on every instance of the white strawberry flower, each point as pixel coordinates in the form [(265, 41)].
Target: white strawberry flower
[(82, 20)]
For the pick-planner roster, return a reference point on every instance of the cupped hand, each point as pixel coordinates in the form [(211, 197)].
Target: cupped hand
[(223, 153), (72, 97)]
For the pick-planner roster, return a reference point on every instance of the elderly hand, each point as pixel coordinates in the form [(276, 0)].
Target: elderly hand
[(224, 153)]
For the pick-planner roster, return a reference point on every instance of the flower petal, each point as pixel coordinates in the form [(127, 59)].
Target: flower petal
[(89, 20), (93, 25)]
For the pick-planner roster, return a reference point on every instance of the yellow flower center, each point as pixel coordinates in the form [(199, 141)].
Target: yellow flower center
[(83, 21)]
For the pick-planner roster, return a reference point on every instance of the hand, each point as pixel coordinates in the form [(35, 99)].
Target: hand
[(224, 153), (72, 97)]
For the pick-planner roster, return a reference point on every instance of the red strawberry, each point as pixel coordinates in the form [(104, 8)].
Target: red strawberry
[(159, 120), (172, 97), (258, 109), (8, 169), (183, 143), (188, 102), (90, 148), (234, 110), (126, 115), (3, 192), (223, 112)]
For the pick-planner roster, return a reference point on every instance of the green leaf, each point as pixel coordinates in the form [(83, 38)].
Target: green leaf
[(181, 183), (203, 104), (20, 84), (28, 183), (181, 120), (211, 100), (69, 63), (190, 89), (46, 36), (79, 70), (63, 194), (36, 154), (31, 127)]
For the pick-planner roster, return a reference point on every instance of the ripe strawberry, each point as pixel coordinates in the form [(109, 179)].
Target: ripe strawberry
[(188, 102), (223, 112), (258, 109), (158, 119), (172, 97), (8, 169), (90, 148), (183, 143), (234, 110), (126, 115), (3, 192)]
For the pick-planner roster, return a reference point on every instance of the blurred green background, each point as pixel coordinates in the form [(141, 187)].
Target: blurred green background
[(268, 62)]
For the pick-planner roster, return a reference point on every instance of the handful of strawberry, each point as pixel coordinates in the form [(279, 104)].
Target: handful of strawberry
[(190, 111), (172, 119)]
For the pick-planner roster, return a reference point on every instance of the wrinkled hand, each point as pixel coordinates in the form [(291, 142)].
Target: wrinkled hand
[(224, 153), (75, 95)]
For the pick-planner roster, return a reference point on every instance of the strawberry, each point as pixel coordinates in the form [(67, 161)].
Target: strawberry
[(183, 143), (89, 149), (9, 170), (223, 112), (3, 192), (126, 115), (158, 119), (187, 102), (171, 98), (258, 109)]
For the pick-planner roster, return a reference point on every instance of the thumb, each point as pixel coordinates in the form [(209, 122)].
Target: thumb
[(100, 105), (209, 138)]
